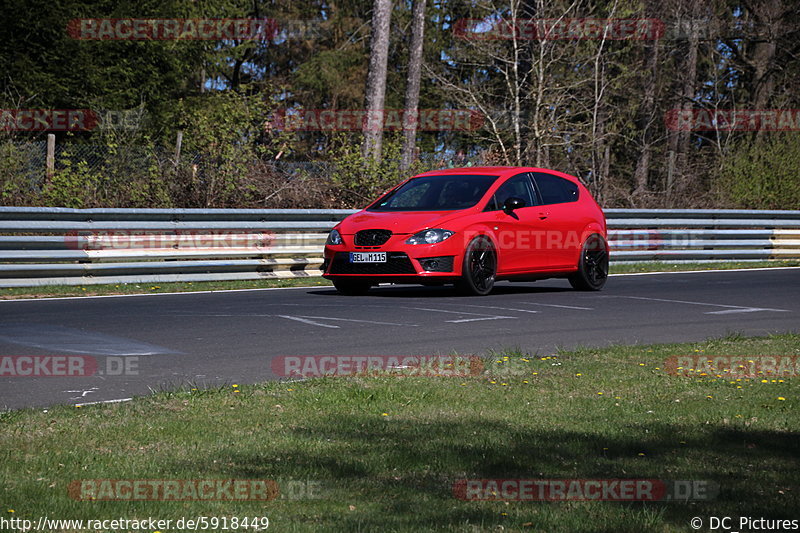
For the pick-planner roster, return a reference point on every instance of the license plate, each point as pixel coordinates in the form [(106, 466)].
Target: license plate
[(367, 257)]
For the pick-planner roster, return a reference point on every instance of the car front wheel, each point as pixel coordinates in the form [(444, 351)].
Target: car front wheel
[(592, 266), (479, 269)]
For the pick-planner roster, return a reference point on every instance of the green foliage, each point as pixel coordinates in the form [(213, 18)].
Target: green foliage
[(15, 187), (763, 174), (359, 180), (334, 76), (74, 185), (121, 168), (225, 136)]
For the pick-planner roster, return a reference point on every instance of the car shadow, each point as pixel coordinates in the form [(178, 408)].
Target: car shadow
[(419, 291)]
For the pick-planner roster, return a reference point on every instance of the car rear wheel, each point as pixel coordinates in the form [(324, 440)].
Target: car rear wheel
[(592, 266), (479, 269), (351, 287)]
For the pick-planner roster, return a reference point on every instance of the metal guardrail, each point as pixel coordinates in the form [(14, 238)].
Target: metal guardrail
[(43, 246)]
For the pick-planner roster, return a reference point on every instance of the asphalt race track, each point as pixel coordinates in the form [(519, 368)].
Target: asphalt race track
[(154, 342)]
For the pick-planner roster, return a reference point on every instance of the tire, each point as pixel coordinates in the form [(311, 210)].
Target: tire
[(593, 265), (351, 287), (479, 268)]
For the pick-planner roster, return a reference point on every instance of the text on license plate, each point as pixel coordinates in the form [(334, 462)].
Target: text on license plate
[(367, 257)]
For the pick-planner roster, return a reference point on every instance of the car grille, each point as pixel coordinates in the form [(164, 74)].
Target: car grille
[(396, 263), (372, 237)]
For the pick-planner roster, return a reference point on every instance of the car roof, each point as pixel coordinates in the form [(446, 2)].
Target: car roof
[(489, 171), (495, 171)]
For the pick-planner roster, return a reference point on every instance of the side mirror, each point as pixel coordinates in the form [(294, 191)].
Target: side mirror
[(512, 203)]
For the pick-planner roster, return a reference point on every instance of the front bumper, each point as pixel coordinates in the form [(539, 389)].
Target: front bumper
[(399, 266)]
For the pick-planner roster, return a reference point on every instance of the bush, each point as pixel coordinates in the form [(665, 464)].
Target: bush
[(224, 142), (16, 187), (358, 180), (763, 173)]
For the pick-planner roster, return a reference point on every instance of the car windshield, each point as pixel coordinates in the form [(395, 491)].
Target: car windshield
[(436, 193)]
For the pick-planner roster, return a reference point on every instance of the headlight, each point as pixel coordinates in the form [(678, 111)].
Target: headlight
[(334, 238), (430, 236)]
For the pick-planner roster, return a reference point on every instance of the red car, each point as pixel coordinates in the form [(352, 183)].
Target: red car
[(472, 226)]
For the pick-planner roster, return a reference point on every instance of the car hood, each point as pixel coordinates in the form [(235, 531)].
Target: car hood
[(399, 222)]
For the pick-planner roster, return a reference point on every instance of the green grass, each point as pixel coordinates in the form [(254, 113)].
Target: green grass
[(386, 451), (152, 288), (658, 266)]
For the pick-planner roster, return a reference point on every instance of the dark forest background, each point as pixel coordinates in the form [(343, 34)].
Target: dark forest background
[(595, 108)]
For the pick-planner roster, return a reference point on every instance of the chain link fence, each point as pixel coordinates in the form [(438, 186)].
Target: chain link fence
[(150, 176), (97, 157)]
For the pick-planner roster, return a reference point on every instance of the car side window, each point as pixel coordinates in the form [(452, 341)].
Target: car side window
[(519, 186), (555, 190)]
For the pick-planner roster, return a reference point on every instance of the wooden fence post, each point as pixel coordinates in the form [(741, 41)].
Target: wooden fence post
[(178, 143), (51, 155)]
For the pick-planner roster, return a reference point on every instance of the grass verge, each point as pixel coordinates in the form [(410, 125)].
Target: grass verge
[(54, 291), (383, 453)]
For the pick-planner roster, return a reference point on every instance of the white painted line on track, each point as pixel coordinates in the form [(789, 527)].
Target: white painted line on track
[(482, 316), (331, 286), (307, 321), (218, 291), (478, 319), (501, 308), (703, 271), (743, 310), (561, 306), (354, 320), (730, 308), (82, 392)]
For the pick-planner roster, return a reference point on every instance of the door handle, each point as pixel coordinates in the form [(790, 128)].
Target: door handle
[(543, 215)]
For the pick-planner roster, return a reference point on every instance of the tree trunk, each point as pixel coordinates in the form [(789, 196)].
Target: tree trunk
[(769, 29), (647, 119), (376, 78), (412, 85), (680, 140)]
